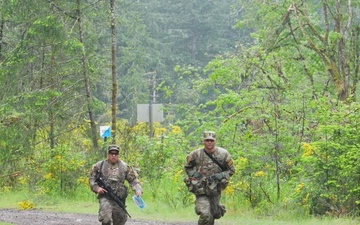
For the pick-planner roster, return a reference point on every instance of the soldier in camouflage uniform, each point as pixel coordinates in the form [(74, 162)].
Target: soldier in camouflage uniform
[(114, 172), (209, 170)]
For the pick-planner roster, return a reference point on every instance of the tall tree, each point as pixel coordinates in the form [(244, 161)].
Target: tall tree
[(327, 42), (87, 79), (114, 89)]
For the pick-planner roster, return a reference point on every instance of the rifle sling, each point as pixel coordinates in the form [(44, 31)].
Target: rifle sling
[(215, 161)]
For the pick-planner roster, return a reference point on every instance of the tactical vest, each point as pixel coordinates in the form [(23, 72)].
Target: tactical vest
[(114, 176)]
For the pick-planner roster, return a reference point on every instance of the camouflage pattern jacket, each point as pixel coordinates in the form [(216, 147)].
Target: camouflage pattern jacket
[(198, 161), (115, 176)]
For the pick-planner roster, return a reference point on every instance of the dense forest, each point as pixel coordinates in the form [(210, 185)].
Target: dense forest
[(277, 81)]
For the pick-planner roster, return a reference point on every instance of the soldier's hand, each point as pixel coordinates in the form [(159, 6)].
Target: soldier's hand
[(219, 176), (101, 190), (197, 175), (138, 193)]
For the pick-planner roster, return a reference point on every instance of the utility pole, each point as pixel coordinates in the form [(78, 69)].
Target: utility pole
[(152, 99)]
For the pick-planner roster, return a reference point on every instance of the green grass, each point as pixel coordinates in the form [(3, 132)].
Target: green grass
[(162, 212)]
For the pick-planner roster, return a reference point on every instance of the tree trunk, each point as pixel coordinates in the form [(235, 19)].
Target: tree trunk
[(87, 82), (1, 36), (113, 72), (333, 50)]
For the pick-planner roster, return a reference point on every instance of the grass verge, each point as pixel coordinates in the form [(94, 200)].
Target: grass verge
[(157, 211)]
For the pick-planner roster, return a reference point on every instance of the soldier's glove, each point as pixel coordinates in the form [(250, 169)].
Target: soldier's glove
[(218, 176), (197, 175)]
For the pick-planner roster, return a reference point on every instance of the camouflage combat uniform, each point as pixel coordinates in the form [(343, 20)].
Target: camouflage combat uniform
[(206, 189), (114, 176)]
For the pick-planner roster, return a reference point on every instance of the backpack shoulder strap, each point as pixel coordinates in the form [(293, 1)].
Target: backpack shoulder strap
[(215, 161), (99, 173)]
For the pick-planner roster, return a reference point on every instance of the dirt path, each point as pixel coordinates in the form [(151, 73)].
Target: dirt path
[(37, 217)]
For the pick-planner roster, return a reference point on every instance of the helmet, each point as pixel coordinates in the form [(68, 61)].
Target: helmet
[(209, 135), (113, 148)]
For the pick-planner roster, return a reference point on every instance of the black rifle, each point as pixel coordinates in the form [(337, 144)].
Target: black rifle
[(99, 180)]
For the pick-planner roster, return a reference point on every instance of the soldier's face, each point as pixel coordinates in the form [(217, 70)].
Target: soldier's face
[(209, 144), (113, 156)]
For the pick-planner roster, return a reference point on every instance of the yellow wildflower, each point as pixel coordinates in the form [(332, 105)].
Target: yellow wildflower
[(48, 176), (300, 188), (308, 150), (230, 190), (177, 175), (24, 205), (176, 130), (259, 173)]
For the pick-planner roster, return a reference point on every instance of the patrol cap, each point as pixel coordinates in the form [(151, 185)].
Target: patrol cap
[(113, 148), (209, 135)]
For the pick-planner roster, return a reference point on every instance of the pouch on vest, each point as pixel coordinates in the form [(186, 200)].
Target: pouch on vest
[(195, 186), (122, 192), (211, 188)]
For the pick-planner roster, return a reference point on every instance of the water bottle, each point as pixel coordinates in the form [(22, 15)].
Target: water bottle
[(139, 201)]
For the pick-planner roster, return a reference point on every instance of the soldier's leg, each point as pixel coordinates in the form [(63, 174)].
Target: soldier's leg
[(218, 210), (119, 216), (203, 209), (105, 211)]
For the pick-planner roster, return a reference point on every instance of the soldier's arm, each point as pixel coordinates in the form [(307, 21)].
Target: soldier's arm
[(230, 168), (93, 172), (190, 166), (133, 178)]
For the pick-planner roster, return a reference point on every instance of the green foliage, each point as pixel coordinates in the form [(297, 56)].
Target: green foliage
[(330, 166), (161, 154), (170, 190), (61, 171)]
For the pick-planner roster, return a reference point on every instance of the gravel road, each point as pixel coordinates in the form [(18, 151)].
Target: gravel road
[(38, 217)]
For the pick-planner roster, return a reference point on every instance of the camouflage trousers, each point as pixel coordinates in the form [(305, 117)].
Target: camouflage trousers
[(208, 208), (109, 212)]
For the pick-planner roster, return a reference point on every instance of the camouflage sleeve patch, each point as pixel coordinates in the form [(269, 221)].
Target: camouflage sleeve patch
[(188, 159), (230, 163)]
